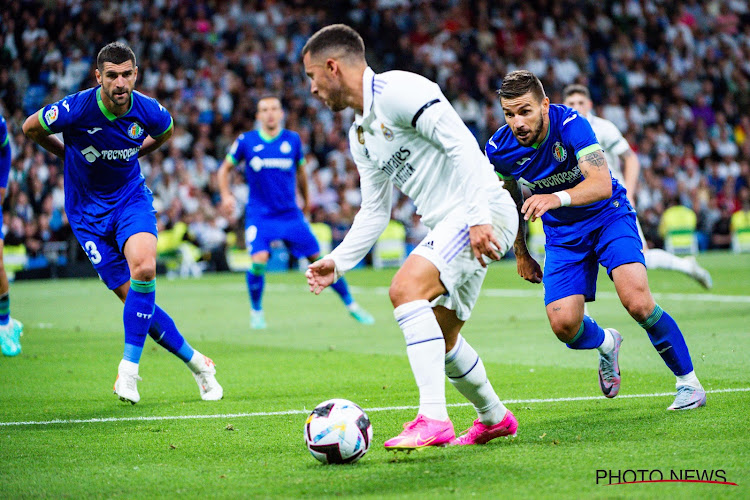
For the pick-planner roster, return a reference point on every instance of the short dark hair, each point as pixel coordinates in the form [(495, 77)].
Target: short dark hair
[(268, 96), (520, 82), (115, 53), (339, 37), (576, 88)]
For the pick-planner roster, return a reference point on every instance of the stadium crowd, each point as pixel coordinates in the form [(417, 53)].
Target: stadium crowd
[(674, 76)]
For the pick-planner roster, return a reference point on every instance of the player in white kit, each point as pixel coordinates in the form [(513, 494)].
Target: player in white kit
[(617, 151), (407, 134)]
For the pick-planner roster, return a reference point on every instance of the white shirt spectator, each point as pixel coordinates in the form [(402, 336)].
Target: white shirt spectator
[(566, 70)]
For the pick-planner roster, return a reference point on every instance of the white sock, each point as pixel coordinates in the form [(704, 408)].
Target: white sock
[(657, 258), (425, 347), (689, 379), (465, 370), (128, 367), (608, 344)]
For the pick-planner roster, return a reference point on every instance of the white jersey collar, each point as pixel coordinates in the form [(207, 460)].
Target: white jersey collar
[(368, 93)]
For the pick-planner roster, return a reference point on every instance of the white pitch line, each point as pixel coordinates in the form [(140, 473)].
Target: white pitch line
[(523, 294), (305, 412)]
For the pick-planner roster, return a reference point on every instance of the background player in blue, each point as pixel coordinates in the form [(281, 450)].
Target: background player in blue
[(10, 329), (552, 151), (273, 169), (106, 129)]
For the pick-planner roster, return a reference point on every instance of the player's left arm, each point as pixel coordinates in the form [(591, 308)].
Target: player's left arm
[(618, 146), (303, 188), (159, 125), (462, 148), (153, 143), (302, 184), (596, 185), (631, 170), (426, 109), (4, 159)]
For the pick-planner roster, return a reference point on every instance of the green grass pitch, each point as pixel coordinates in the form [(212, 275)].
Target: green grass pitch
[(313, 351)]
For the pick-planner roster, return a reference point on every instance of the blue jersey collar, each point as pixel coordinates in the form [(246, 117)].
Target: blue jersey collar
[(269, 138), (536, 145), (107, 113)]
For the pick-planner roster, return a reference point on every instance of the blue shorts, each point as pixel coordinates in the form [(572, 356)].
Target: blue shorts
[(292, 229), (571, 268), (104, 248)]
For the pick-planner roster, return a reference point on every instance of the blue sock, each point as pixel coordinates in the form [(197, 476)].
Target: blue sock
[(4, 309), (256, 280), (668, 341), (166, 334), (589, 336), (136, 317), (341, 288)]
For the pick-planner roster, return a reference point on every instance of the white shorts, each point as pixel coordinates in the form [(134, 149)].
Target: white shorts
[(640, 233), (447, 246)]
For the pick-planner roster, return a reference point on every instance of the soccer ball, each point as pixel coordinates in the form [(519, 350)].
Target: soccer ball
[(338, 432)]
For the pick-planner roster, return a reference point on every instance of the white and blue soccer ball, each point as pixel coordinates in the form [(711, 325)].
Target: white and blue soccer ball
[(338, 432)]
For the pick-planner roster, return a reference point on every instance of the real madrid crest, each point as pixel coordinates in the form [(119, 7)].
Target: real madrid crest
[(360, 134), (559, 152), (387, 133)]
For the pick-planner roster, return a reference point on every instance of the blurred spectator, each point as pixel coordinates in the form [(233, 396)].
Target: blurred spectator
[(673, 76)]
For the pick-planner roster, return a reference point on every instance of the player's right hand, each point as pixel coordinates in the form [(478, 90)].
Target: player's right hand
[(320, 274), (483, 242), (528, 268), (228, 204)]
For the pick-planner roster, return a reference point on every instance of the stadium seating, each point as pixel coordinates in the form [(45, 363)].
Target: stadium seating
[(15, 259), (535, 239), (324, 235), (677, 227), (180, 257), (740, 230), (390, 249)]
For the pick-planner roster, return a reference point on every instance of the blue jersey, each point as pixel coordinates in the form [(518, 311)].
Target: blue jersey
[(552, 166), (270, 171), (4, 153), (101, 150)]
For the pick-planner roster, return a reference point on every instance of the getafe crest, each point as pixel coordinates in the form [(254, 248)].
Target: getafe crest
[(559, 152), (387, 133), (135, 130)]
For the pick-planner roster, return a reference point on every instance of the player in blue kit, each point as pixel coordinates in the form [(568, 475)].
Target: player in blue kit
[(105, 129), (552, 150), (10, 329), (273, 170)]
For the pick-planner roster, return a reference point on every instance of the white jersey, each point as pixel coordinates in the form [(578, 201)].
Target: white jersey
[(410, 136), (612, 142)]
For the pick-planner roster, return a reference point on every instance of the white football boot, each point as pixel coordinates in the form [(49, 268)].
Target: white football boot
[(204, 371), (126, 384)]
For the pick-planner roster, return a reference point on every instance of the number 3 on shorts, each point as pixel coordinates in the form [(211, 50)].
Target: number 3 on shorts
[(94, 256)]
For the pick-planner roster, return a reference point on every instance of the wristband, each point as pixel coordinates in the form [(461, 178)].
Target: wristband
[(564, 198)]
